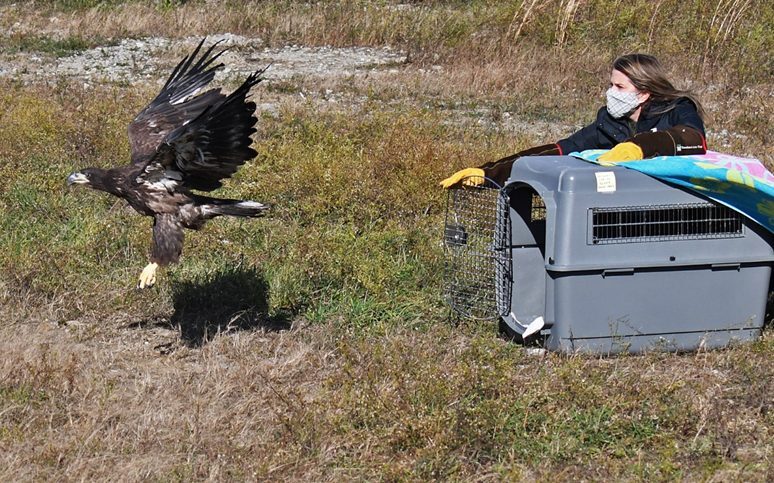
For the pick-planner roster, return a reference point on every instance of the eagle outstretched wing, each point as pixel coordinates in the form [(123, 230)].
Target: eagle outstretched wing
[(201, 153), (175, 104)]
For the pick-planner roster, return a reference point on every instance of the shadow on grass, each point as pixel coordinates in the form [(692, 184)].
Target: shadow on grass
[(232, 300)]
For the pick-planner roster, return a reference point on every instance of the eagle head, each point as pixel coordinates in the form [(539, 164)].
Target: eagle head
[(86, 176)]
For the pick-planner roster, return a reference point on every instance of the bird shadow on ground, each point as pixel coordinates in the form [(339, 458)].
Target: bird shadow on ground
[(233, 300)]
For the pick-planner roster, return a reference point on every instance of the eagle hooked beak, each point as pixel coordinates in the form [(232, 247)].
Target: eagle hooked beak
[(77, 178)]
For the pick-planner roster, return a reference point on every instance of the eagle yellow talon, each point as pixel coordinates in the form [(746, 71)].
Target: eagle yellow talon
[(148, 276)]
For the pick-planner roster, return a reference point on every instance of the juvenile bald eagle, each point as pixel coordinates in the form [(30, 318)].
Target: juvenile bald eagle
[(183, 140)]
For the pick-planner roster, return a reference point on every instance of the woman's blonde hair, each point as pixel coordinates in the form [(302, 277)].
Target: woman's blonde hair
[(647, 74)]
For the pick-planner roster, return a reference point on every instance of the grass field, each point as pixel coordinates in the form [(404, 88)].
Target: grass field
[(313, 344)]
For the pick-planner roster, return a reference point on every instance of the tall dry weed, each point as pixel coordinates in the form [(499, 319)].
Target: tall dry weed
[(564, 18), (725, 20)]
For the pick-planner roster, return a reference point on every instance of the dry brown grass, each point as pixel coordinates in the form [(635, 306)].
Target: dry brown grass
[(98, 399)]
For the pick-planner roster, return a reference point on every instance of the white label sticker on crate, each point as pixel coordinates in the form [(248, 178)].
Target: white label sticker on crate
[(605, 181)]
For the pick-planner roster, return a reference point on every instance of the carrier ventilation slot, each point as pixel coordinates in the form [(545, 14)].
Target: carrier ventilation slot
[(538, 211), (632, 224)]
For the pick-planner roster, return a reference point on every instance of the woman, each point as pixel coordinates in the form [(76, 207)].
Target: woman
[(645, 116)]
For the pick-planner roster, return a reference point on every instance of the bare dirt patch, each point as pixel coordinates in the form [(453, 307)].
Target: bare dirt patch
[(137, 60), (331, 77)]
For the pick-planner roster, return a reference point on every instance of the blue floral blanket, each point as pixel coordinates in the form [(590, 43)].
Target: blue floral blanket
[(743, 184)]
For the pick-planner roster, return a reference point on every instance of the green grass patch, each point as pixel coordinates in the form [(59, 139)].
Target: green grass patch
[(58, 47)]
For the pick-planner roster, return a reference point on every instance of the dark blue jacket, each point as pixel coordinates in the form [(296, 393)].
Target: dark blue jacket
[(657, 132), (606, 131)]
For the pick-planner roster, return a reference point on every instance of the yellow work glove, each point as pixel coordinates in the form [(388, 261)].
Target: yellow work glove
[(476, 179), (621, 152)]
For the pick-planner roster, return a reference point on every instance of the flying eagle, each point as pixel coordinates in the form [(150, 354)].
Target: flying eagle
[(184, 140)]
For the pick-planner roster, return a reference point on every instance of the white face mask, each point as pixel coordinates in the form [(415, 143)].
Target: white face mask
[(620, 103)]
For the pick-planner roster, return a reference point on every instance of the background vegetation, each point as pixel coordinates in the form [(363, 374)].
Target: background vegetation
[(313, 344)]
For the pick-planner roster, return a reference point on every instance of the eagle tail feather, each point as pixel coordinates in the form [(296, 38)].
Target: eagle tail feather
[(240, 208)]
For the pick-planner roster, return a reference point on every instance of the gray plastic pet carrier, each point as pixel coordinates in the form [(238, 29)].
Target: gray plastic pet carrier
[(605, 259)]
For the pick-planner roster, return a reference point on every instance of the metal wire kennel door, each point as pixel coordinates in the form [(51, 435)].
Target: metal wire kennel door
[(477, 259)]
